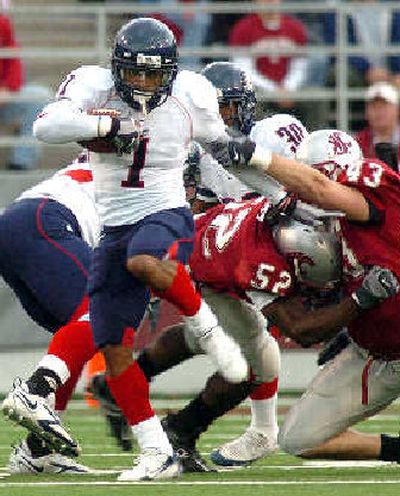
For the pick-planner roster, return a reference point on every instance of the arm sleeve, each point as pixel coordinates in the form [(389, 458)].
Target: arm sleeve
[(219, 180), (67, 119), (297, 74)]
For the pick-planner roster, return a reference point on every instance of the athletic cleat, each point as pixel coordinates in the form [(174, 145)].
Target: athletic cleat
[(226, 355), (249, 447), (33, 412), (152, 464), (23, 462), (117, 422), (185, 450)]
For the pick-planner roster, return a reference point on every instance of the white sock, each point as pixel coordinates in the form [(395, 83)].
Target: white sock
[(150, 434), (57, 365), (202, 322), (264, 415)]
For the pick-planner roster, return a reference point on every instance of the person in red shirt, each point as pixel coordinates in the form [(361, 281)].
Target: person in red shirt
[(12, 81), (382, 115), (272, 31)]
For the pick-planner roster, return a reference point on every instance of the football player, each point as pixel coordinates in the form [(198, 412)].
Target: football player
[(363, 378), (46, 240), (138, 120)]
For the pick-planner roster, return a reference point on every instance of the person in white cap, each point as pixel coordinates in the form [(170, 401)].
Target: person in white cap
[(382, 115)]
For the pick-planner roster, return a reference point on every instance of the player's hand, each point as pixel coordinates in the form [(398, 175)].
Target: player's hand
[(234, 152), (124, 135), (378, 285), (284, 208)]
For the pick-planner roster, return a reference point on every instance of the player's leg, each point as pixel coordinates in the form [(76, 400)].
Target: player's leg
[(247, 325), (318, 425), (169, 280), (117, 305), (53, 281)]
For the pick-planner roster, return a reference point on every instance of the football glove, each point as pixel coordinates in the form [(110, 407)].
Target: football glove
[(234, 152), (378, 285), (123, 135)]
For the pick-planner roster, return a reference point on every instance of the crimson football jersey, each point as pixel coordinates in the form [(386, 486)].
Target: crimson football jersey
[(234, 251), (373, 244), (378, 329)]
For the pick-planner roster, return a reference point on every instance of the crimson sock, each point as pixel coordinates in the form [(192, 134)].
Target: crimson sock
[(131, 393), (74, 345), (265, 390), (182, 293)]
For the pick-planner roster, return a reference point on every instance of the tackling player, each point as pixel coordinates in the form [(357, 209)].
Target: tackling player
[(362, 379)]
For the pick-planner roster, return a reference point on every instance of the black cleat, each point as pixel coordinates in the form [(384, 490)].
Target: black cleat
[(185, 450), (116, 420)]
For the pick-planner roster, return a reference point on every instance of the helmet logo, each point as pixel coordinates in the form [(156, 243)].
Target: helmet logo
[(150, 60), (294, 135), (340, 147)]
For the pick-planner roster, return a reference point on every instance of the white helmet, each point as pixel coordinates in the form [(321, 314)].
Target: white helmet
[(280, 133), (313, 248), (330, 151)]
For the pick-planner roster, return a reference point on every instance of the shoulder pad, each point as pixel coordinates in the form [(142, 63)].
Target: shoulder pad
[(196, 90)]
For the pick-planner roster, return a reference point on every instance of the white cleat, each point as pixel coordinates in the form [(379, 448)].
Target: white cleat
[(23, 462), (152, 464), (34, 413), (226, 355), (249, 447)]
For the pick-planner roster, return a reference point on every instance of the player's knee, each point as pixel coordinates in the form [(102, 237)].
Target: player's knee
[(291, 440), (118, 358), (270, 359), (142, 266)]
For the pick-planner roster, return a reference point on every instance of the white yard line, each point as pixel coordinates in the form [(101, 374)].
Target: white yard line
[(204, 483)]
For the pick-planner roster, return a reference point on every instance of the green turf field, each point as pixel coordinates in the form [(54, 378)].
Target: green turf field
[(277, 475)]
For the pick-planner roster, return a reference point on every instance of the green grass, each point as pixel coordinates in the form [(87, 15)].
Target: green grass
[(277, 475)]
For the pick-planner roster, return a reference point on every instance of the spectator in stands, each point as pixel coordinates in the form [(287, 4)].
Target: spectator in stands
[(24, 112), (373, 27), (272, 30), (382, 115)]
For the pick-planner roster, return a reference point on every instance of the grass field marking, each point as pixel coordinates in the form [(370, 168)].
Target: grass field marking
[(202, 483)]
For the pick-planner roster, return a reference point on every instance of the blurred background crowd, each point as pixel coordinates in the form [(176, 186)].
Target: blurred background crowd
[(332, 63)]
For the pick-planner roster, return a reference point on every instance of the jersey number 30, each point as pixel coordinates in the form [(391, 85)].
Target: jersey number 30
[(134, 171)]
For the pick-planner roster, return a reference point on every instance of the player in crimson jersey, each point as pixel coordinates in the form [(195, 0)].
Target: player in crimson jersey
[(362, 379), (46, 241)]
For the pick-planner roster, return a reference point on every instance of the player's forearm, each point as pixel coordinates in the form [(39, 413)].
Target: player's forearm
[(308, 327), (59, 123), (312, 186)]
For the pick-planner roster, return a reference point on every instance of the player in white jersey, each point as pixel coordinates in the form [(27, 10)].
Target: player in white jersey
[(137, 120), (46, 240)]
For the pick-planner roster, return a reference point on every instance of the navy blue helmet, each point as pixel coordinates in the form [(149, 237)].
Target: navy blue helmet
[(144, 47), (233, 85)]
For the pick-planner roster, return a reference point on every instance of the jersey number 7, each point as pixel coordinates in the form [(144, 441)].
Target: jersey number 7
[(139, 157)]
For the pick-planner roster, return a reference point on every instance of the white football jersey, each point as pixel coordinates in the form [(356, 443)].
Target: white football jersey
[(73, 187), (132, 186)]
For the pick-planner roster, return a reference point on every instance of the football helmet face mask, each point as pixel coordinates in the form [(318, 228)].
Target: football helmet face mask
[(144, 62), (329, 150), (236, 97), (314, 250)]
